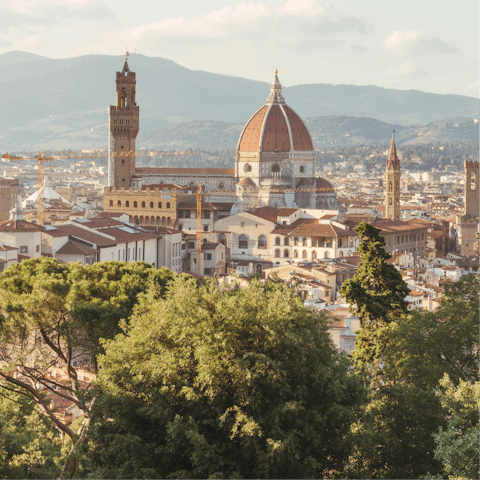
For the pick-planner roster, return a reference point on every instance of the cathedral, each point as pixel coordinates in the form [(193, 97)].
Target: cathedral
[(275, 165)]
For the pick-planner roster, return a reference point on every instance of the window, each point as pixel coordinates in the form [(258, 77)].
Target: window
[(295, 254), (285, 253), (262, 241), (390, 187), (243, 241), (127, 203), (168, 204), (247, 168), (341, 254), (390, 201), (304, 242), (295, 241), (221, 186), (191, 245), (242, 225), (37, 248), (222, 238), (151, 204), (277, 241), (314, 255), (186, 214), (111, 203), (205, 214), (123, 161), (135, 204), (402, 238), (143, 204), (327, 254), (205, 228), (285, 241), (23, 249), (275, 169), (304, 254), (302, 169), (123, 179), (159, 204), (180, 226), (208, 256), (119, 203), (277, 253), (340, 243)]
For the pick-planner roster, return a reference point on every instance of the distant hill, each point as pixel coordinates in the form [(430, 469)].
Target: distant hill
[(62, 103)]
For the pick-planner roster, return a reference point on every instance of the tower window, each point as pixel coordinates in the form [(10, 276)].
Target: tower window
[(275, 169), (123, 179), (119, 203), (143, 204), (159, 204), (111, 203), (285, 253), (127, 203), (151, 204), (302, 169), (168, 204), (123, 161), (135, 204)]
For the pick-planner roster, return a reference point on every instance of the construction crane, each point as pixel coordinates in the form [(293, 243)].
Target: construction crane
[(43, 157), (199, 194)]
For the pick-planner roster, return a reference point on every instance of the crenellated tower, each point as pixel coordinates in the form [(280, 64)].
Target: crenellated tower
[(123, 130), (392, 184), (471, 188)]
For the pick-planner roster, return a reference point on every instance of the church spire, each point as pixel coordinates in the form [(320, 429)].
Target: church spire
[(125, 66), (392, 162), (276, 91)]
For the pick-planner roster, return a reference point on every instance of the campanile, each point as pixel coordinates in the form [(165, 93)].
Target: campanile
[(392, 184), (123, 130)]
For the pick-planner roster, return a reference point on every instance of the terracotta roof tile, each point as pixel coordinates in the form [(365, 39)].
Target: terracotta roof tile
[(75, 248), (124, 237), (64, 230), (275, 132), (300, 135), (286, 212), (185, 171), (268, 213), (19, 226), (250, 140), (209, 245)]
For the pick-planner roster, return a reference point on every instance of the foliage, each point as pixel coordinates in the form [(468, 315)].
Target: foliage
[(211, 382), (457, 444), (53, 319), (395, 436), (376, 294)]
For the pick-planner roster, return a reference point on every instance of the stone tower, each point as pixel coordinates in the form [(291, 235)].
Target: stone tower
[(392, 184), (123, 130), (471, 189)]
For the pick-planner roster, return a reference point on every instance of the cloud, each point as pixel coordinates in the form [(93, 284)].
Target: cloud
[(409, 41), (407, 68), (294, 24), (38, 13)]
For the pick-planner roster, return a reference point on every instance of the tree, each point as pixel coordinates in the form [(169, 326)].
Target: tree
[(53, 320), (376, 294), (457, 444), (213, 382), (395, 437)]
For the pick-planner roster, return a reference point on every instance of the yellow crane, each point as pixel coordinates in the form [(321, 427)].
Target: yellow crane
[(44, 157)]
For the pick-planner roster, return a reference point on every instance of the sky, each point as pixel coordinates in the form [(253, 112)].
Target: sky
[(429, 45)]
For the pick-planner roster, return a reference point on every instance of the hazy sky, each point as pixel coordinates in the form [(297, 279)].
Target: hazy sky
[(430, 45)]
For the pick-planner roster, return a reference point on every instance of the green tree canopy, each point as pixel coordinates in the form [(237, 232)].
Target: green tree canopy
[(218, 383), (53, 316)]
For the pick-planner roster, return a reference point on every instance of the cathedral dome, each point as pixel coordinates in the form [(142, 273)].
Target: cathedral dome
[(275, 127)]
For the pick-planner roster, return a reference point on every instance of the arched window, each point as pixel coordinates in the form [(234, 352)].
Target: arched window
[(277, 241), (151, 204), (262, 241), (340, 254), (276, 169), (340, 243), (143, 204), (327, 254), (222, 238), (111, 203), (119, 203), (285, 253), (285, 241), (390, 186), (396, 187), (135, 204), (390, 201), (259, 268), (127, 203), (304, 254), (168, 204), (314, 255), (242, 241), (295, 254), (277, 253), (159, 204), (295, 241), (304, 242)]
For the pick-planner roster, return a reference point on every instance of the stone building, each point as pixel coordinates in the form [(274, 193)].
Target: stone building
[(392, 184), (275, 165), (8, 196), (464, 231)]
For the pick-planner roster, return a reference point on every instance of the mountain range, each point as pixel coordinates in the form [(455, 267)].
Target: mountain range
[(62, 103)]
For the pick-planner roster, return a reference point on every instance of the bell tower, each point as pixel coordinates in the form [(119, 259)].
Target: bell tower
[(123, 130), (392, 184)]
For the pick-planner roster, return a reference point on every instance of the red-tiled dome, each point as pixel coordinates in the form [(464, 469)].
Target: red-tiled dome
[(275, 127)]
